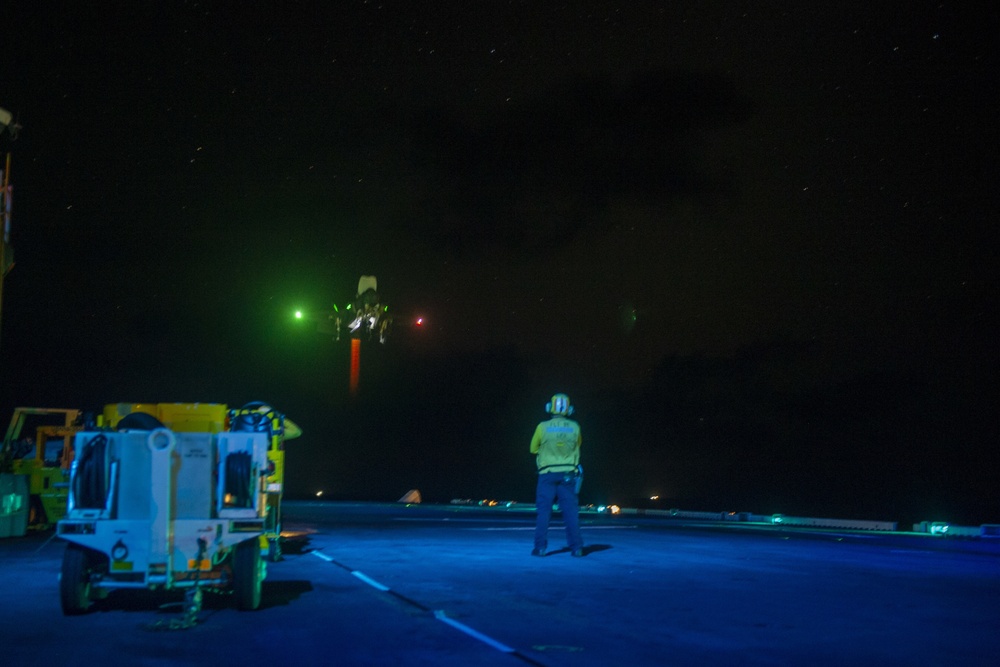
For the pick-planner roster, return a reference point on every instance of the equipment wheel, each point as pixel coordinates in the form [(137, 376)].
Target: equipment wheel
[(274, 549), (248, 574), (74, 581), (36, 512), (272, 527)]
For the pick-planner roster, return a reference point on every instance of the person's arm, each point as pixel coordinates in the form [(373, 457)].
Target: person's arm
[(292, 429)]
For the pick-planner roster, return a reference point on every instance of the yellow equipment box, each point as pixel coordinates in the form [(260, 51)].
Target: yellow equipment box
[(180, 417)]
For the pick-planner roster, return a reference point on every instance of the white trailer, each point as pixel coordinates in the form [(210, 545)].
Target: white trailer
[(158, 509)]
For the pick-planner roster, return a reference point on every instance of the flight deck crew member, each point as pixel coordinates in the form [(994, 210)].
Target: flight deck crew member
[(556, 444)]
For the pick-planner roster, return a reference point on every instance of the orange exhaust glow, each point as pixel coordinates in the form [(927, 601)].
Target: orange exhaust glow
[(355, 364)]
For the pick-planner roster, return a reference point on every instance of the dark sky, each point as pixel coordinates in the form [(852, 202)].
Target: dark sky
[(754, 241)]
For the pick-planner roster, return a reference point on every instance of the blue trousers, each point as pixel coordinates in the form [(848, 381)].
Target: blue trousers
[(553, 485)]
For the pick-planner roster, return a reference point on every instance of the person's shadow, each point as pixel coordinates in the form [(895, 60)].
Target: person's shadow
[(587, 550)]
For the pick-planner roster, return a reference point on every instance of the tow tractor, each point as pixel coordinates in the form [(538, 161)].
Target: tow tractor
[(186, 507), (44, 454)]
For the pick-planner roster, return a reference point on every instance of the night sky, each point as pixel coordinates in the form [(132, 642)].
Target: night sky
[(753, 241)]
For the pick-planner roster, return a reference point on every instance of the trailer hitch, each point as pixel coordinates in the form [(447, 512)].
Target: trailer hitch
[(192, 600)]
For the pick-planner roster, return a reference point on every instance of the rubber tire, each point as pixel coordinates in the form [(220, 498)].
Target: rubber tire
[(274, 550), (36, 512), (247, 574), (139, 421), (74, 581)]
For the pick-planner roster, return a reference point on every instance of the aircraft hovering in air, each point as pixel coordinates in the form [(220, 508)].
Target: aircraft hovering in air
[(364, 316)]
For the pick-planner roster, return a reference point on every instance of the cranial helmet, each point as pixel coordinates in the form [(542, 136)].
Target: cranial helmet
[(559, 405)]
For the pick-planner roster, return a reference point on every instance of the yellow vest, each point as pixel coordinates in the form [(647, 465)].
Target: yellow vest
[(557, 445)]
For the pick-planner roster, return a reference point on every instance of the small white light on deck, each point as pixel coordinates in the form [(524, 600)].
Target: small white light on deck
[(939, 528)]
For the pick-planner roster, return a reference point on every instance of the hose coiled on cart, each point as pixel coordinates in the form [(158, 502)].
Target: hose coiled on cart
[(90, 482), (239, 479)]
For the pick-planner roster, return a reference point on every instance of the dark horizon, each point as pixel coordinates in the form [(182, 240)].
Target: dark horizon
[(705, 433)]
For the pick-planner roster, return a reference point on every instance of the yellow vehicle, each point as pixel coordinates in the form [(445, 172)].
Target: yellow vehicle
[(39, 444), (256, 417), (174, 496)]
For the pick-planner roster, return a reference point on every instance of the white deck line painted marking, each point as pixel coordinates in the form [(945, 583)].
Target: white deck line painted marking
[(439, 614), (368, 580), (475, 634)]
